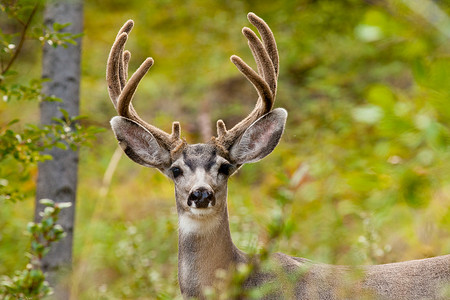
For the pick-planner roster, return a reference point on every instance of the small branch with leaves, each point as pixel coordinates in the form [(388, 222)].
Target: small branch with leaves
[(24, 15), (26, 148), (30, 283), (23, 34)]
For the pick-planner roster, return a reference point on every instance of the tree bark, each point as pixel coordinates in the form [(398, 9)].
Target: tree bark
[(57, 178)]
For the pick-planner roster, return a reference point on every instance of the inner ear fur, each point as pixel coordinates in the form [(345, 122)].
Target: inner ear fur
[(139, 144), (260, 139)]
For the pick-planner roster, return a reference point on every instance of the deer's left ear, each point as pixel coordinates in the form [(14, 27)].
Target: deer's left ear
[(260, 138)]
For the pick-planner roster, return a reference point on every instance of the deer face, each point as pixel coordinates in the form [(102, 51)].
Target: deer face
[(200, 176)]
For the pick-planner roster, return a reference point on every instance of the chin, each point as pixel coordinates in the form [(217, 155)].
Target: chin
[(198, 220)]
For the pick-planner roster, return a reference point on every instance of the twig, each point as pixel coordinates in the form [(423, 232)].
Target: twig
[(22, 38), (110, 172)]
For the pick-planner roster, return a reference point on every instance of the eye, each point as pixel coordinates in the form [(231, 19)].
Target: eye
[(225, 169), (176, 172)]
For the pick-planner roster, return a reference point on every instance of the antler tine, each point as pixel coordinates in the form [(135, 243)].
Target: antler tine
[(122, 91), (263, 61), (258, 82), (124, 102), (265, 54), (268, 39), (124, 55), (112, 69)]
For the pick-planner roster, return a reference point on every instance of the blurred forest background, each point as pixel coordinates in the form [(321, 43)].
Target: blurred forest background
[(362, 173)]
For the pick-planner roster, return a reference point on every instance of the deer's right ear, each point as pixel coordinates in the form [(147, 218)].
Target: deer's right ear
[(139, 144)]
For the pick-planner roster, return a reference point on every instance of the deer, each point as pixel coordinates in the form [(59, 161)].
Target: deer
[(200, 173)]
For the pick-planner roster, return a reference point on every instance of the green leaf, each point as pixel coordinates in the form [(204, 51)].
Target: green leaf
[(61, 145), (47, 202), (382, 96), (48, 211), (13, 122), (58, 120), (81, 117), (63, 204), (65, 114), (32, 227), (59, 27)]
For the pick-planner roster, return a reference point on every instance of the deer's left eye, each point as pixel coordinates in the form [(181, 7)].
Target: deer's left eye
[(176, 172), (225, 169)]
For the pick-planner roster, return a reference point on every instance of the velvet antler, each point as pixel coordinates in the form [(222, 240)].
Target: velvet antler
[(122, 91), (265, 54)]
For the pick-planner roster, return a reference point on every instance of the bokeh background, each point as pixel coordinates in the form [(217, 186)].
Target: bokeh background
[(362, 173)]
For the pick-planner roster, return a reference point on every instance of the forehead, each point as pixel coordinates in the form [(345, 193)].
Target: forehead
[(200, 155)]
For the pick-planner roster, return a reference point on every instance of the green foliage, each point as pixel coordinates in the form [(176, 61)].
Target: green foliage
[(54, 36), (21, 149), (25, 92), (20, 15), (30, 283), (23, 144)]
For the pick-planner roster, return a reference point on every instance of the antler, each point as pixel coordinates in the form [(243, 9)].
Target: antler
[(265, 54), (121, 92)]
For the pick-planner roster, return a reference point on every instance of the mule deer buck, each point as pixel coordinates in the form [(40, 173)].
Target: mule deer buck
[(200, 173)]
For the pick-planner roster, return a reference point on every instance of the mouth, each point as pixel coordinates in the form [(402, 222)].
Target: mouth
[(200, 212)]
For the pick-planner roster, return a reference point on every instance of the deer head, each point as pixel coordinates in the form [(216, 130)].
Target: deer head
[(200, 171)]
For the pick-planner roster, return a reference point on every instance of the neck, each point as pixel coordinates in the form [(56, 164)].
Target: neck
[(204, 246)]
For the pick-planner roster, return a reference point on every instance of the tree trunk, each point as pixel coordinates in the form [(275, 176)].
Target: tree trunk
[(57, 178)]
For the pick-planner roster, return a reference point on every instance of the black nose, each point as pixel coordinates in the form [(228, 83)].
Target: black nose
[(201, 197)]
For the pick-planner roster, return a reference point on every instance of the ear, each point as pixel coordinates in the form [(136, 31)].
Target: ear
[(139, 144), (260, 138)]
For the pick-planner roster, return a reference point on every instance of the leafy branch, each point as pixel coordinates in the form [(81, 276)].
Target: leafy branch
[(25, 148), (30, 283), (53, 36), (23, 33)]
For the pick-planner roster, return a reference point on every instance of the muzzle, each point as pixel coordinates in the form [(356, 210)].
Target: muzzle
[(201, 198)]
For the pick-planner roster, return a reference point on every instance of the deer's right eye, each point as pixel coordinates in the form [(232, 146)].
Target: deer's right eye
[(176, 172)]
